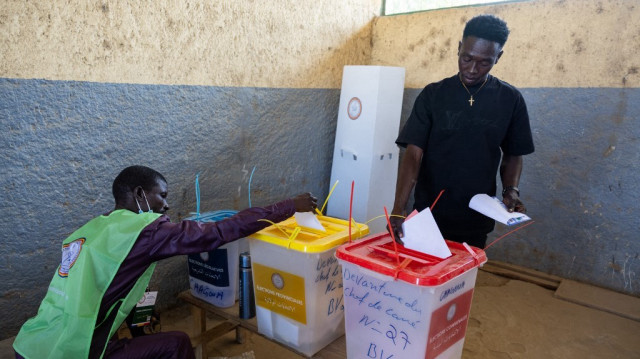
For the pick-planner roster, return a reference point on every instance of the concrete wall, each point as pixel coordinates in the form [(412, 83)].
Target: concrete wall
[(185, 87), (577, 66), (219, 87), (285, 43)]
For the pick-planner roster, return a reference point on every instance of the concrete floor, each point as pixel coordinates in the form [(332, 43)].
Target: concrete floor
[(510, 319)]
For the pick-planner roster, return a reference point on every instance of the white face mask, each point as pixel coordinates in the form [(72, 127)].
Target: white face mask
[(145, 199)]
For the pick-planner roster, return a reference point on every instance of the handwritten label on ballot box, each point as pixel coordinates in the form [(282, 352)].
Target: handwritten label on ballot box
[(328, 272), (412, 306)]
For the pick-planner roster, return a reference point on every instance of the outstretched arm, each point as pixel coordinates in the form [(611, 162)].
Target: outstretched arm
[(510, 170), (166, 239), (407, 176)]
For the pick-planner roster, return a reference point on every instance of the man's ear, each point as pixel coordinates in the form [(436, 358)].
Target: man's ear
[(138, 192), (459, 46), (498, 57)]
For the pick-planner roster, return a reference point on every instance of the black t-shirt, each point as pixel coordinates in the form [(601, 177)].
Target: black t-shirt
[(462, 147)]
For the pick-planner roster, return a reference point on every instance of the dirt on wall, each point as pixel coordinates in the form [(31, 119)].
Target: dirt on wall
[(553, 43), (282, 43)]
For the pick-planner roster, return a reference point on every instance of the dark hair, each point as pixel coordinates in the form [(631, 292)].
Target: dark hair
[(132, 177), (488, 27)]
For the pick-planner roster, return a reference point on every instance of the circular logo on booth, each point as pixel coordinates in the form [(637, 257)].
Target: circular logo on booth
[(354, 108), (277, 280)]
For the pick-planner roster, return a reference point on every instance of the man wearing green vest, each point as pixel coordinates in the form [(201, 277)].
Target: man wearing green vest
[(107, 263)]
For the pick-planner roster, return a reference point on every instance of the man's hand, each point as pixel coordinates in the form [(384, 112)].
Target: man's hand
[(396, 226), (510, 169), (305, 202), (407, 175), (513, 202)]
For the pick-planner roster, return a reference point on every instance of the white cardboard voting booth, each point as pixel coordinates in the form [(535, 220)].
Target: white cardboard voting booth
[(365, 149)]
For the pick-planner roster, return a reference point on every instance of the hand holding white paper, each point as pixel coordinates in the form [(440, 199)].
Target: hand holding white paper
[(421, 234), (308, 220), (493, 208)]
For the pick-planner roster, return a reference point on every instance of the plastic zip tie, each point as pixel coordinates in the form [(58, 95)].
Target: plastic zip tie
[(329, 195), (395, 245), (249, 186), (197, 197), (357, 227), (400, 267), (473, 253), (508, 233), (436, 200), (390, 253), (351, 210), (382, 216), (276, 225), (293, 237)]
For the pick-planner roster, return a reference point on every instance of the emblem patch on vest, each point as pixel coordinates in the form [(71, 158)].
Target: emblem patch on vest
[(70, 253)]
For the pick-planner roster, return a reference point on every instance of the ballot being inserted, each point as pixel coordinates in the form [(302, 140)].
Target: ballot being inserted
[(421, 233), (308, 220), (492, 207)]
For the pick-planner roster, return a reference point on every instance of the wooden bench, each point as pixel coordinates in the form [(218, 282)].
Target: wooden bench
[(200, 308)]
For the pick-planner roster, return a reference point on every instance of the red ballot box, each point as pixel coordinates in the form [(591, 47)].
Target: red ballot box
[(406, 304)]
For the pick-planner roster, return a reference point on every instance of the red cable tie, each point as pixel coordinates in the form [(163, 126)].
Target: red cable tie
[(508, 233), (395, 245), (436, 200), (401, 266)]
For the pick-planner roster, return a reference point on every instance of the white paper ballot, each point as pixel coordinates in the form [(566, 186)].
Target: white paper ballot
[(492, 207), (309, 220), (421, 234)]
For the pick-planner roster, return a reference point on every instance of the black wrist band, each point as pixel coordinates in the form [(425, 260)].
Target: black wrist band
[(509, 188)]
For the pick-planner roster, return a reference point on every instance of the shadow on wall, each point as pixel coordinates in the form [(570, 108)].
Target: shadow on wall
[(356, 50)]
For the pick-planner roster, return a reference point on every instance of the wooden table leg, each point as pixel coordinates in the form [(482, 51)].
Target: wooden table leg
[(240, 335), (200, 326)]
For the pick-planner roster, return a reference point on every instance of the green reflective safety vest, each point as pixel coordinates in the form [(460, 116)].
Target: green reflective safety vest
[(91, 257)]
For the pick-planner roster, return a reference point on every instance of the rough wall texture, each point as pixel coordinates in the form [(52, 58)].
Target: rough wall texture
[(185, 87), (580, 186), (553, 43), (64, 142), (269, 76), (577, 66), (281, 43)]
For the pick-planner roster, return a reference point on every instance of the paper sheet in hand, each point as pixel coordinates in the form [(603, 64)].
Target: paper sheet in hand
[(309, 220), (421, 234), (492, 207)]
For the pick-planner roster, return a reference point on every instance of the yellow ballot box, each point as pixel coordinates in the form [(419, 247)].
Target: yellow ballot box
[(298, 281)]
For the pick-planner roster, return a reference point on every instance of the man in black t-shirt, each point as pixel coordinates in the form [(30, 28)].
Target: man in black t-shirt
[(460, 131)]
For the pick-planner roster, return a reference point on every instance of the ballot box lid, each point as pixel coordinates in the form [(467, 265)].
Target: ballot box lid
[(378, 253)]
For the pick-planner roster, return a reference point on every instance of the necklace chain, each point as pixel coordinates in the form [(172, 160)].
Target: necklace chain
[(471, 100)]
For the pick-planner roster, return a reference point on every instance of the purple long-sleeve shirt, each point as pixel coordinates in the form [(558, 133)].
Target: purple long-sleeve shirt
[(162, 239)]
